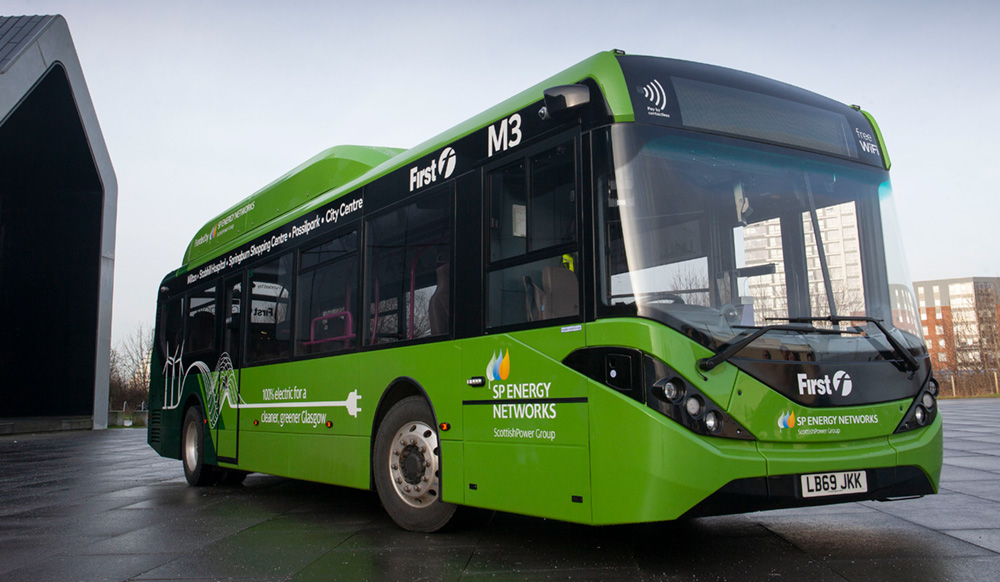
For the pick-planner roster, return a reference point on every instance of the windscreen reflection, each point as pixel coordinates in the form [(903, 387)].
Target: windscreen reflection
[(717, 237)]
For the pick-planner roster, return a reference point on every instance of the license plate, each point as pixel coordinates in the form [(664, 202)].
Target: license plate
[(842, 483)]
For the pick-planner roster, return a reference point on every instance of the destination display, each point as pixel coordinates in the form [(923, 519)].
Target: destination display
[(723, 101)]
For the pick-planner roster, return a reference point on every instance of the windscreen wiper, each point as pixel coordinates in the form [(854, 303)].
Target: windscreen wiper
[(707, 364), (911, 362), (820, 248)]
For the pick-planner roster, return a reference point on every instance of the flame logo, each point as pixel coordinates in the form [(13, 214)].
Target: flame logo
[(787, 420), (498, 368)]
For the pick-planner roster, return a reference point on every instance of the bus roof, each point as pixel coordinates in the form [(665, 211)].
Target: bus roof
[(342, 169)]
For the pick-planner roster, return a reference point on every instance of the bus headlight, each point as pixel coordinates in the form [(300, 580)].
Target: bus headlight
[(693, 406), (713, 422), (923, 409), (673, 390), (670, 394)]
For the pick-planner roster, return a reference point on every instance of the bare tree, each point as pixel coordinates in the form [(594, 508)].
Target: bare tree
[(971, 338), (129, 378), (691, 283)]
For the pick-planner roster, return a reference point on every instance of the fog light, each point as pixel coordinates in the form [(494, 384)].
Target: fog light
[(921, 415), (713, 422), (927, 401), (693, 406)]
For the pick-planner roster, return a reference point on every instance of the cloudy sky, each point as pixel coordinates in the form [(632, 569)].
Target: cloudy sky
[(203, 103)]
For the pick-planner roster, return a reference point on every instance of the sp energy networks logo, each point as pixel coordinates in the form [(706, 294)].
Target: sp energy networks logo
[(786, 420), (441, 167), (225, 225), (841, 382), (499, 367), (826, 424), (525, 400)]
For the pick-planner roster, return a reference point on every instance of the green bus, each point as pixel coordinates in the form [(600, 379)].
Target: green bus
[(643, 289)]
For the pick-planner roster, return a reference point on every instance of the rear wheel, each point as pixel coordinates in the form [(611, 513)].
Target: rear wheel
[(407, 467), (196, 471)]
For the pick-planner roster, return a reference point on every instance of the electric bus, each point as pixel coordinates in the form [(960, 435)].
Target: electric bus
[(642, 290)]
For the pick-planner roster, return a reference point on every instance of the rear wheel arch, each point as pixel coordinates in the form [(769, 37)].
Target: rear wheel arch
[(398, 389), (194, 434)]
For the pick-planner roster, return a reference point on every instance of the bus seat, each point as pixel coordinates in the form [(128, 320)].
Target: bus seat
[(559, 295), (438, 307)]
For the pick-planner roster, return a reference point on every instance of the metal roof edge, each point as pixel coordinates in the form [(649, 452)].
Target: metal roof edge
[(18, 33)]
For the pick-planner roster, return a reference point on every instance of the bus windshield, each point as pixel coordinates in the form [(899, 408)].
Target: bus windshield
[(718, 237)]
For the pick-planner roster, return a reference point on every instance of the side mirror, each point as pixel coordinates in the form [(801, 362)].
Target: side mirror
[(563, 99)]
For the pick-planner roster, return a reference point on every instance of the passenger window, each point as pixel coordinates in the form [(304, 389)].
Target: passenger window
[(232, 330), (269, 331), (408, 267), (327, 296), (533, 239), (200, 324), (171, 327)]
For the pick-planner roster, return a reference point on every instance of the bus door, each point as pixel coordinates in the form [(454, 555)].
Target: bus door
[(526, 413), (227, 429)]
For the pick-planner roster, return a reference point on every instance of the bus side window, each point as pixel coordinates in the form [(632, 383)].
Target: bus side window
[(408, 258), (326, 296), (200, 326), (269, 331), (533, 239), (171, 327)]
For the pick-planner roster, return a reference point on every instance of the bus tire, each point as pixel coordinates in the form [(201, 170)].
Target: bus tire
[(407, 467), (233, 477), (196, 472)]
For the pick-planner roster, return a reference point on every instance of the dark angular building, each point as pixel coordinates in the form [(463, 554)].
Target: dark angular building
[(58, 199)]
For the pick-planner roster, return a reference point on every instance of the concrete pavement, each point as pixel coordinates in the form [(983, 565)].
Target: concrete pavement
[(101, 505)]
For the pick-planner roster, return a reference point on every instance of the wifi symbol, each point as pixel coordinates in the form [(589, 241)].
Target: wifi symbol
[(655, 93)]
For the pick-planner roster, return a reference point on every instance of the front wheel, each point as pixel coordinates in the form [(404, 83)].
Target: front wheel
[(232, 477), (407, 467), (196, 471)]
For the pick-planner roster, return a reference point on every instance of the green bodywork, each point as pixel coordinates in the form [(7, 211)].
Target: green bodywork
[(881, 141), (608, 459)]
